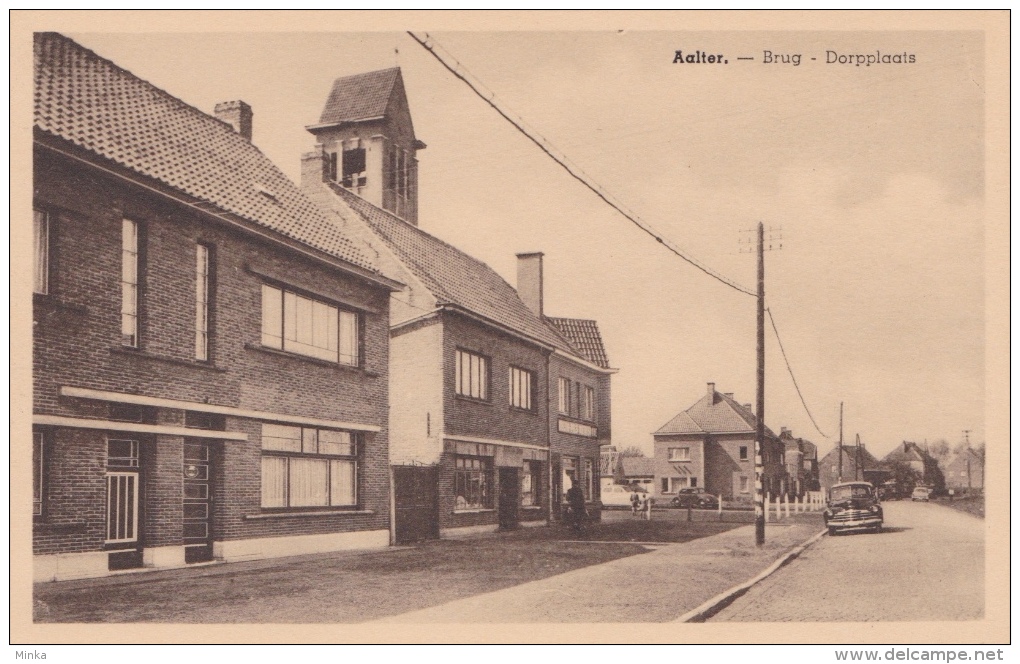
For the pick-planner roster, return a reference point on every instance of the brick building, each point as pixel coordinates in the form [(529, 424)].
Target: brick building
[(711, 445), (210, 348), (965, 471), (801, 463), (496, 411), (858, 464)]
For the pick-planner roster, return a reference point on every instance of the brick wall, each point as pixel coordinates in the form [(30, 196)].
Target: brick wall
[(77, 342), (696, 467), (493, 418), (572, 445)]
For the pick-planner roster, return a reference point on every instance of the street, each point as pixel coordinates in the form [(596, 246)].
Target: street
[(927, 564)]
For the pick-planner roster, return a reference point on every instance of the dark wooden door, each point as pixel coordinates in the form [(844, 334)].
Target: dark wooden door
[(509, 498), (416, 494)]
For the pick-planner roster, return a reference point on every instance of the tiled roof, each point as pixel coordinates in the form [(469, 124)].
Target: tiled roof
[(716, 413), (682, 423), (911, 453), (850, 456), (360, 97), (637, 466), (451, 275), (584, 336), (94, 104)]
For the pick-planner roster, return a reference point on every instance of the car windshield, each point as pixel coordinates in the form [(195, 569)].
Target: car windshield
[(855, 491)]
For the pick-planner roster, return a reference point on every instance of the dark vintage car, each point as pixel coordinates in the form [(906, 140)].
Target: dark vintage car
[(853, 505), (697, 498)]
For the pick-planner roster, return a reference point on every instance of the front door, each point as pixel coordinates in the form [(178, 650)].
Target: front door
[(416, 496), (197, 507), (509, 498)]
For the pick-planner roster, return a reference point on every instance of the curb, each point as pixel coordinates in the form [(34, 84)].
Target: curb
[(725, 598)]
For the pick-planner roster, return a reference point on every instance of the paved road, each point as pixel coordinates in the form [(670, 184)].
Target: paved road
[(928, 564)]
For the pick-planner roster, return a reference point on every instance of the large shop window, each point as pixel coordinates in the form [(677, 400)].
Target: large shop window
[(531, 483), (305, 467), (472, 479), (298, 324), (521, 382), (41, 241), (472, 378)]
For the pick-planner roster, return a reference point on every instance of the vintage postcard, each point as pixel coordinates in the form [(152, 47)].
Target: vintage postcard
[(510, 327)]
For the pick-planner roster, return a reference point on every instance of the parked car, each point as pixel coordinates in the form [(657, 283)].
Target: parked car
[(619, 495), (921, 493), (697, 498), (853, 505)]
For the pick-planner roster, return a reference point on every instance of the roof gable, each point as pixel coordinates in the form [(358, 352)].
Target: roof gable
[(90, 102), (584, 336), (714, 413)]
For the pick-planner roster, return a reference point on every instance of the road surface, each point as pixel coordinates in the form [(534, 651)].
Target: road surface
[(927, 564)]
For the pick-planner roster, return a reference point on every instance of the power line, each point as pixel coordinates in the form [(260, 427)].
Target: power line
[(792, 377), (577, 173)]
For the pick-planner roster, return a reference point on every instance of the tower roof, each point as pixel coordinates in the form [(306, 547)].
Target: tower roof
[(361, 96)]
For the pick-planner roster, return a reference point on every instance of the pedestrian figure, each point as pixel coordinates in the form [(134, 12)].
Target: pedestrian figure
[(646, 507), (635, 503), (575, 499)]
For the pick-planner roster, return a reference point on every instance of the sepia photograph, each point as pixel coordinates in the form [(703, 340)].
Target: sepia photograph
[(521, 327)]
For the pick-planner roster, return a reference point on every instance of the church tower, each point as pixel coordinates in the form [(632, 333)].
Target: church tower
[(367, 140)]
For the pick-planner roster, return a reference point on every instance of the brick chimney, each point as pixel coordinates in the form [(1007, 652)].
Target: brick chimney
[(748, 407), (237, 114), (529, 281), (313, 167)]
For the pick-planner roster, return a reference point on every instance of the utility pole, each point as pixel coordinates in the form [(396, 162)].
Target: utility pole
[(759, 433), (839, 473), (859, 463), (966, 450)]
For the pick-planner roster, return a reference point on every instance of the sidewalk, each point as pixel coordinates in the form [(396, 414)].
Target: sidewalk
[(659, 586), (621, 570)]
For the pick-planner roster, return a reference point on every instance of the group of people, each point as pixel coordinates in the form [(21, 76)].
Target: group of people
[(641, 505)]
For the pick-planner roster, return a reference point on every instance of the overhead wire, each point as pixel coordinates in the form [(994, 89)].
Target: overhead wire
[(792, 377), (574, 171), (578, 174)]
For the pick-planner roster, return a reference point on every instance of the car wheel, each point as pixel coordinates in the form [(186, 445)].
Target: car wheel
[(832, 531), (878, 529)]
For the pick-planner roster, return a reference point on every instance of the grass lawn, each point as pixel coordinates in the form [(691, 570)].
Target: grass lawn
[(970, 504)]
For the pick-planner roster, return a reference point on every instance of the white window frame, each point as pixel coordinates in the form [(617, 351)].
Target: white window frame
[(129, 278), (38, 479), (41, 248), (563, 391), (589, 479), (588, 403), (679, 453), (678, 482), (202, 265), (522, 383), (745, 484), (307, 326), (471, 377)]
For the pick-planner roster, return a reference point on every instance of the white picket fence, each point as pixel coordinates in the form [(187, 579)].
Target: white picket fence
[(779, 507)]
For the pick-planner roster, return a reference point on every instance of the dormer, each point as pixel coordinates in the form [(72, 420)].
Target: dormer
[(367, 138)]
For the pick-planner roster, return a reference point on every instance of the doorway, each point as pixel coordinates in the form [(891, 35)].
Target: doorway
[(509, 498)]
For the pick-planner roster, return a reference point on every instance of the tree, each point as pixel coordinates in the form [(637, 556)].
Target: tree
[(940, 450), (632, 451), (906, 478)]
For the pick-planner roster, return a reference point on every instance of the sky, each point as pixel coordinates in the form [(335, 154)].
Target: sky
[(874, 174)]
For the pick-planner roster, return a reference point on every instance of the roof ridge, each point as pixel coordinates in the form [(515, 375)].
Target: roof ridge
[(153, 87)]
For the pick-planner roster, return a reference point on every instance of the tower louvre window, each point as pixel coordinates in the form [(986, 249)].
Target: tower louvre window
[(354, 167)]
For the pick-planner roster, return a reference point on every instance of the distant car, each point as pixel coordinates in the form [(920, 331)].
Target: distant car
[(618, 495), (853, 505), (696, 498), (921, 493)]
